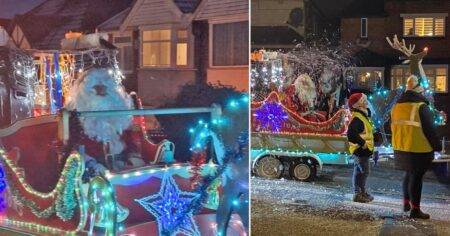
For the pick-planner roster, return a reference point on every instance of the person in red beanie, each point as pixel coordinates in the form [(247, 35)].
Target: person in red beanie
[(360, 136)]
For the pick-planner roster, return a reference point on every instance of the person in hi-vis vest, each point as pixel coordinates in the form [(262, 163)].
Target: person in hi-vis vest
[(414, 141), (360, 134)]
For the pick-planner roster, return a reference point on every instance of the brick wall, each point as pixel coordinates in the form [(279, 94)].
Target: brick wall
[(382, 26)]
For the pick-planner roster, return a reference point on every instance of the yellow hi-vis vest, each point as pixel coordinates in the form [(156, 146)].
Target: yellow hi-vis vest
[(367, 134), (407, 133)]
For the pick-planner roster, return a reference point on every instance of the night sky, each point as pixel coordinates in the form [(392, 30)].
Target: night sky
[(8, 8)]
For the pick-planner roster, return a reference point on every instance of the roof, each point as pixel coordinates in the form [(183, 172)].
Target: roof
[(114, 22), (4, 22), (45, 25), (187, 6), (330, 9), (274, 35), (221, 9), (361, 8)]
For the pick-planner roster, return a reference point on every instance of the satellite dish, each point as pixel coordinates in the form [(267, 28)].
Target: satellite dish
[(295, 17)]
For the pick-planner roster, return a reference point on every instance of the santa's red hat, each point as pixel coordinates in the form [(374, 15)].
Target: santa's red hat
[(356, 99)]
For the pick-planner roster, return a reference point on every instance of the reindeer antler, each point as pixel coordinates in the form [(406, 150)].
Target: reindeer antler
[(408, 51)]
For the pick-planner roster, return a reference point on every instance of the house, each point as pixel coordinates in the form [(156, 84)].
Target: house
[(422, 23), (277, 24), (284, 23), (165, 44), (44, 26)]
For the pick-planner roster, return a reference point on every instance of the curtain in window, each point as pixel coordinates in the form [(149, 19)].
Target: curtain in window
[(230, 44)]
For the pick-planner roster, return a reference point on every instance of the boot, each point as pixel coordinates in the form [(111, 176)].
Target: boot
[(416, 213), (359, 197), (368, 196), (406, 206)]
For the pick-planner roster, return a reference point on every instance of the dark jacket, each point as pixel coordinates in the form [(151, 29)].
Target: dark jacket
[(419, 161), (355, 128)]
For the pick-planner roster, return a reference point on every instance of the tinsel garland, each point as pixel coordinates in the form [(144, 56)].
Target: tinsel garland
[(197, 161), (65, 202), (21, 202), (202, 190)]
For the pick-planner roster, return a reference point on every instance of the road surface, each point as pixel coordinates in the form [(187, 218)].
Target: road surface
[(325, 206)]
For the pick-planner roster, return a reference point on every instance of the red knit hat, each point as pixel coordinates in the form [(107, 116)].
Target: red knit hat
[(355, 98)]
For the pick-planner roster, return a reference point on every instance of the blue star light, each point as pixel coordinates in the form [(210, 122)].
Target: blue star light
[(169, 206), (271, 115)]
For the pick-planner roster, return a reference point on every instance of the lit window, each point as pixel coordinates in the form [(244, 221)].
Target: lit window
[(424, 26), (182, 48), (156, 48), (370, 77), (437, 76)]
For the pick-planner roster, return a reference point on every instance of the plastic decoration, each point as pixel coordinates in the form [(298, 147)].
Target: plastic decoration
[(171, 207), (271, 115)]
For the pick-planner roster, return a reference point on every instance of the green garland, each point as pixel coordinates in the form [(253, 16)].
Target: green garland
[(65, 205), (21, 201), (66, 199)]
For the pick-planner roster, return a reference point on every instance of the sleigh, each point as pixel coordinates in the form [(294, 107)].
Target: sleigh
[(44, 192), (286, 141)]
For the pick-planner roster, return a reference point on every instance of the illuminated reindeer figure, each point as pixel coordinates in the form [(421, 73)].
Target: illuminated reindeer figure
[(414, 60)]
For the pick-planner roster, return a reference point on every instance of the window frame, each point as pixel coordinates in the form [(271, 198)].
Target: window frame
[(173, 46), (182, 40), (431, 15), (211, 43), (427, 66), (361, 28), (121, 46)]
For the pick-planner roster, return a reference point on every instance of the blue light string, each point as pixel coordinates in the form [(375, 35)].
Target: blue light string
[(58, 83)]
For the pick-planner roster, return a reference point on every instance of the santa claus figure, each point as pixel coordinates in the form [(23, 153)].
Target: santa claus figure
[(101, 136), (305, 89)]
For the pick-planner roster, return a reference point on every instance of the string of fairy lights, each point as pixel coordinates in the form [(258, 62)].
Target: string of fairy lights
[(49, 76)]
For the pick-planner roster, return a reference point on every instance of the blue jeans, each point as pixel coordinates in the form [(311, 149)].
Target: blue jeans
[(361, 171)]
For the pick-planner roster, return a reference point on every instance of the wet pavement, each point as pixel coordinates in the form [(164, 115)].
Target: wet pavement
[(325, 206)]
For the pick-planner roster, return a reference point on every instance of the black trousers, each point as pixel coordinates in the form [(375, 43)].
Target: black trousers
[(412, 187)]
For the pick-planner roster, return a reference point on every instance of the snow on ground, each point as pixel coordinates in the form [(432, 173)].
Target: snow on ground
[(329, 197)]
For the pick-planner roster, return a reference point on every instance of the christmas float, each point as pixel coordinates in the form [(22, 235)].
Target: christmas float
[(298, 114), (76, 157)]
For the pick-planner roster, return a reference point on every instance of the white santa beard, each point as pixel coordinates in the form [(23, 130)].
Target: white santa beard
[(102, 128), (105, 128), (305, 90)]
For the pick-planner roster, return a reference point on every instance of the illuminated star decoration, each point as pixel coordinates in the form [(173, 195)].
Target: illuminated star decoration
[(271, 115), (169, 206)]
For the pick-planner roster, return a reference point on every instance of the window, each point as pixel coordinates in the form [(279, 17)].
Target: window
[(125, 55), (363, 27), (424, 26), (437, 76), (156, 47), (370, 77), (164, 48), (230, 44), (182, 48)]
